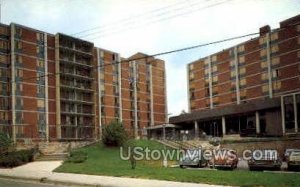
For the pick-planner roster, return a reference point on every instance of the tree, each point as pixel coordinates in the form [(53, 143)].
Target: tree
[(114, 134)]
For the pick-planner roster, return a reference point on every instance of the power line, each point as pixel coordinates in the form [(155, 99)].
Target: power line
[(160, 54), (168, 52), (129, 18), (178, 12)]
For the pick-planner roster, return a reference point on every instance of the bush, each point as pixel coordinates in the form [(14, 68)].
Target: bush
[(114, 134), (16, 158), (77, 157), (5, 143)]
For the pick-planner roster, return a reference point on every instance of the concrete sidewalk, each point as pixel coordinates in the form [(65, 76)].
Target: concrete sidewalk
[(42, 171)]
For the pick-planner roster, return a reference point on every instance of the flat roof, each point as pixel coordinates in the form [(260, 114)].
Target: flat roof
[(235, 109)]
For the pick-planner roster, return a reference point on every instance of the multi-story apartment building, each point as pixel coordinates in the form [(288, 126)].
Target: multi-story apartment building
[(252, 88), (57, 87)]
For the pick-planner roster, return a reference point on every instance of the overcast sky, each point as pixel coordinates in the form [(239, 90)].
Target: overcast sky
[(153, 26)]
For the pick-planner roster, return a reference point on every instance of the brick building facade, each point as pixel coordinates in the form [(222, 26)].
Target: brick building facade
[(241, 85), (57, 87)]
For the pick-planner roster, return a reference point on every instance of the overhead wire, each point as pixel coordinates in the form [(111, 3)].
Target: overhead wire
[(167, 52)]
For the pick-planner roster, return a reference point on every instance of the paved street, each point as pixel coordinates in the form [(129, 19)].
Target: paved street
[(21, 183)]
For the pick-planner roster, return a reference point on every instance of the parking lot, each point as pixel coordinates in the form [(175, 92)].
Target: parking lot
[(243, 165)]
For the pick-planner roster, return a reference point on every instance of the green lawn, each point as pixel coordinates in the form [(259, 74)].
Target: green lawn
[(105, 161)]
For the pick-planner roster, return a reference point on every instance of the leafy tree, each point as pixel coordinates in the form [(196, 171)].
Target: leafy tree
[(114, 134)]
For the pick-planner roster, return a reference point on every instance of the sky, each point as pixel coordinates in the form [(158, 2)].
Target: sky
[(153, 26)]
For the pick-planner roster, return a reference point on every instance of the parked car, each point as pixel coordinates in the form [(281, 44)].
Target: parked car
[(294, 160), (193, 158), (265, 160), (224, 158), (287, 153)]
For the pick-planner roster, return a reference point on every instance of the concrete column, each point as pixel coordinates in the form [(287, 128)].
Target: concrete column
[(223, 125), (46, 86), (269, 65), (173, 133), (120, 86), (282, 115), (210, 81), (188, 87), (13, 83), (151, 97), (237, 79), (196, 130), (99, 92), (164, 131), (135, 100), (57, 84), (295, 113), (257, 122)]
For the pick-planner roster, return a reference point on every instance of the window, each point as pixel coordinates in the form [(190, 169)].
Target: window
[(3, 72), (215, 79), (243, 94), (40, 103), (191, 66), (41, 91), (263, 65), (3, 58), (241, 48), (3, 117), (3, 45), (40, 78), (18, 45), (275, 73), (19, 73), (40, 37), (19, 103), (262, 40), (192, 94), (215, 90), (274, 36), (243, 82), (3, 103), (41, 63), (19, 117), (18, 59), (277, 85), (242, 71), (274, 49), (263, 52), (214, 68), (232, 62), (214, 58), (232, 74), (40, 51), (18, 31), (19, 88), (206, 71), (102, 88), (242, 59), (264, 76), (192, 76), (265, 88), (275, 61)]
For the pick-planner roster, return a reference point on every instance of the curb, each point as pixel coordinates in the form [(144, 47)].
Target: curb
[(45, 180)]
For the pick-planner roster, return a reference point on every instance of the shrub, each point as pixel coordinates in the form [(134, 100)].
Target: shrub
[(77, 157), (114, 134), (5, 143), (16, 158)]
